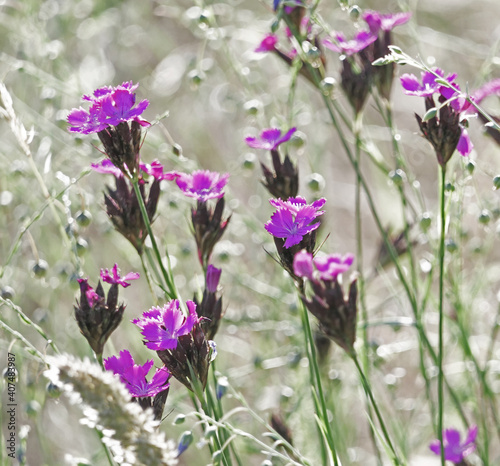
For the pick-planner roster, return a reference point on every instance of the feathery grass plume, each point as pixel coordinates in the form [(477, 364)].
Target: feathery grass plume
[(127, 430)]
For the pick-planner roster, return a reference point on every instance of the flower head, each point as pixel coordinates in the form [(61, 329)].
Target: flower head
[(327, 267), (163, 326), (97, 316), (268, 44), (113, 277), (454, 450), (269, 139), (292, 219), (444, 130), (108, 106), (134, 375), (202, 185), (156, 170), (429, 86), (349, 47), (335, 312), (377, 21), (106, 166)]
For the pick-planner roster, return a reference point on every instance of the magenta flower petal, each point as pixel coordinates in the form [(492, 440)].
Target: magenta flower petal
[(107, 167), (349, 47), (134, 375), (464, 146), (213, 277), (270, 139), (377, 21), (303, 264), (490, 88), (268, 44), (202, 185), (114, 277), (454, 450)]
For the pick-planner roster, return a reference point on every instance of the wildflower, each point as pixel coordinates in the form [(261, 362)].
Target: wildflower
[(208, 228), (292, 220), (114, 277), (96, 316), (202, 185), (335, 312), (270, 139), (108, 106), (179, 341), (210, 306), (163, 326), (268, 44), (443, 130), (454, 450), (349, 47), (381, 25), (292, 229), (123, 209), (156, 170), (134, 375), (357, 69), (111, 110)]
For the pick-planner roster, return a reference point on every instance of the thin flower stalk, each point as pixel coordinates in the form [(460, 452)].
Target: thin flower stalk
[(167, 276), (442, 233), (317, 387)]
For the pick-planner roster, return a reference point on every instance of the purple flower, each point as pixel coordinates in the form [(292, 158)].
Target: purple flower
[(134, 375), (349, 47), (163, 326), (268, 44), (490, 88), (114, 277), (292, 220), (377, 21), (454, 450), (328, 267), (269, 139), (213, 277), (429, 85), (202, 185), (107, 167), (155, 169), (108, 106)]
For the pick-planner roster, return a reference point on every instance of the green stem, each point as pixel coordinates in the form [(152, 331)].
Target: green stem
[(441, 313), (369, 393), (149, 279), (316, 385), (172, 292), (361, 278)]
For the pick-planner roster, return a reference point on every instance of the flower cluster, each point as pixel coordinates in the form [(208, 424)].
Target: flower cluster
[(336, 313), (444, 128), (358, 74), (96, 316)]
